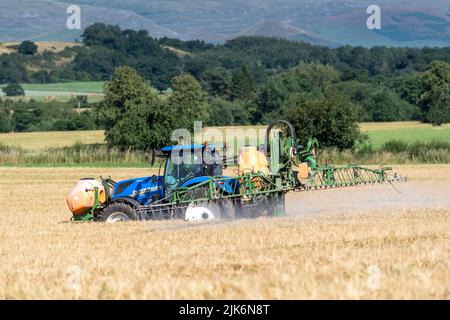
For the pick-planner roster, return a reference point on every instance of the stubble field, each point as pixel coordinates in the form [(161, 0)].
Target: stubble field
[(369, 242)]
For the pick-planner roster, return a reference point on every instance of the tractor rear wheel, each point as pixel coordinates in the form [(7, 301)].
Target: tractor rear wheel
[(118, 212), (201, 211)]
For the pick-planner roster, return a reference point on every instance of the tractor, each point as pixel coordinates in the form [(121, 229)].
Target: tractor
[(191, 184)]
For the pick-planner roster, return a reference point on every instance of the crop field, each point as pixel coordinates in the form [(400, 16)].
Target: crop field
[(92, 87), (379, 133), (37, 141), (62, 91), (368, 242), (408, 131), (53, 46)]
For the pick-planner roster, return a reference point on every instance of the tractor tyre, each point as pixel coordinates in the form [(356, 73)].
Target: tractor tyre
[(118, 212), (202, 211), (199, 207)]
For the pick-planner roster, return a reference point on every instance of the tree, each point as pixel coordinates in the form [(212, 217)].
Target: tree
[(229, 113), (385, 106), (187, 103), (243, 85), (219, 81), (5, 122), (435, 99), (132, 114), (333, 121), (13, 90), (26, 116), (28, 48), (315, 77), (409, 87)]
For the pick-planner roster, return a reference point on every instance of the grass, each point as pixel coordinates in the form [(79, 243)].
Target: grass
[(88, 87), (298, 257), (62, 91), (405, 142), (380, 133), (42, 140), (75, 155)]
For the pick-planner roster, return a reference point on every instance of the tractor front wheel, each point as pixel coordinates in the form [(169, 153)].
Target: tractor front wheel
[(118, 212)]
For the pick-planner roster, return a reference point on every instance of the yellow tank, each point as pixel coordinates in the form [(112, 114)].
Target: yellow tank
[(82, 196), (252, 160), (303, 171)]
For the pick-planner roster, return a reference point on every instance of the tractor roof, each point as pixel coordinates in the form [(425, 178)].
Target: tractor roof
[(170, 149)]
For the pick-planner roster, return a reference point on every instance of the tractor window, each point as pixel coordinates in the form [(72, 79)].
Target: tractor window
[(193, 167), (175, 173)]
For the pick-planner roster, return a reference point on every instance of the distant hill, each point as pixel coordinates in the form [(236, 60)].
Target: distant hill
[(283, 30), (404, 22), (52, 46)]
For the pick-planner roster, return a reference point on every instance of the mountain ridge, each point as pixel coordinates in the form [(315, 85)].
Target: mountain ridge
[(326, 22)]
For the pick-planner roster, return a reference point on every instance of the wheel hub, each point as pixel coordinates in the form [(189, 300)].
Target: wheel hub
[(117, 217), (201, 212)]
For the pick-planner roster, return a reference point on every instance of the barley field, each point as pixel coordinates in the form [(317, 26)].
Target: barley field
[(37, 141), (358, 243)]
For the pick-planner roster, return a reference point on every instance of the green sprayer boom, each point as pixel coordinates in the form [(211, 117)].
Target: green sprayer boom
[(198, 190)]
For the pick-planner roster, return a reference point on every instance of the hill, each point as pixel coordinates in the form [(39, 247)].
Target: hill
[(283, 30), (404, 23), (53, 46)]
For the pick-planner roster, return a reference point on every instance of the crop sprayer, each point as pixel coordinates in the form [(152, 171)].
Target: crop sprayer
[(198, 190)]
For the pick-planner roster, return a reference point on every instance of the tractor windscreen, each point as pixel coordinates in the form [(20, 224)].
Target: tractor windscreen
[(191, 164)]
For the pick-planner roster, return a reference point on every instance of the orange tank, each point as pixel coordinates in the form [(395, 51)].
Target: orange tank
[(82, 196), (252, 160)]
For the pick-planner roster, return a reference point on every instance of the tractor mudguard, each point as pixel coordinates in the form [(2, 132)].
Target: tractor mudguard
[(229, 186), (129, 201), (195, 180)]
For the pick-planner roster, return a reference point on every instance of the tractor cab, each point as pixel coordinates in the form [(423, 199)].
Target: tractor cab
[(189, 164), (183, 165)]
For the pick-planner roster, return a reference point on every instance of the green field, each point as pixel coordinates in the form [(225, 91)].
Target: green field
[(92, 87), (62, 91), (379, 133), (410, 132)]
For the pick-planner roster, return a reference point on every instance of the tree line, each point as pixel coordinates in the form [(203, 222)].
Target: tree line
[(27, 116), (248, 80)]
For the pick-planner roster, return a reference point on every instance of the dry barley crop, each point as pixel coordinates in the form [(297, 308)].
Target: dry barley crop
[(333, 244)]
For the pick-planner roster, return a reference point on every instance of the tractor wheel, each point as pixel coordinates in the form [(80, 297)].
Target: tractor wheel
[(200, 208), (201, 211), (118, 212)]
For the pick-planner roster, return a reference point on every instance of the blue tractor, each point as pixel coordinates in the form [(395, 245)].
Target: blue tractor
[(193, 187), (196, 165)]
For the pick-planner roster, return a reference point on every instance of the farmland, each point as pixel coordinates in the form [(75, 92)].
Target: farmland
[(62, 91), (408, 131), (41, 140), (52, 46), (379, 133), (369, 242)]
